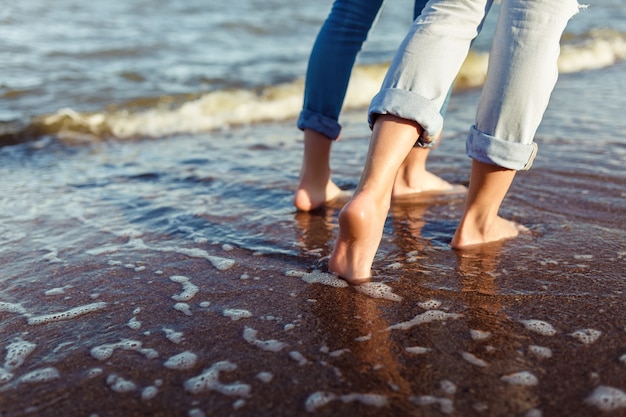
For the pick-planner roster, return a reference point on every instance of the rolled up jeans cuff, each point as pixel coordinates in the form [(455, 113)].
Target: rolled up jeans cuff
[(327, 126), (491, 150), (411, 106)]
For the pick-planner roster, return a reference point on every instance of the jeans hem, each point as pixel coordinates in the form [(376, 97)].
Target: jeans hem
[(319, 123), (411, 106), (492, 150)]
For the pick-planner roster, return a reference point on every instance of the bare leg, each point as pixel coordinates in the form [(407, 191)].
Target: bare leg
[(480, 222), (315, 187), (362, 220), (413, 177)]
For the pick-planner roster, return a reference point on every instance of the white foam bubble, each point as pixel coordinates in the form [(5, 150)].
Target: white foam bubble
[(479, 335), (222, 264), (318, 399), (623, 358), (417, 350), (319, 277), (236, 313), (539, 326), (209, 380), (195, 412), (445, 404), (189, 289), (298, 357), (378, 290), (149, 392), (173, 336), (473, 359), (102, 352), (94, 372), (17, 352), (426, 317), (57, 291), (448, 386), (52, 256), (67, 315), (607, 398), (182, 361), (5, 376), (40, 375), (11, 308), (249, 334), (520, 378), (375, 400), (265, 377), (149, 353), (337, 353), (586, 336), (134, 324), (363, 338), (239, 404), (119, 384), (429, 304), (183, 308), (105, 351), (219, 263), (540, 352)]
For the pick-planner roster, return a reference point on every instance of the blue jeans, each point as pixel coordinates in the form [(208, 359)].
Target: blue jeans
[(338, 42), (520, 78)]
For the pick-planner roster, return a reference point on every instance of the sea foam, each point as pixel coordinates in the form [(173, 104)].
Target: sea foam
[(378, 290), (236, 313), (182, 361), (586, 336), (209, 380), (539, 326), (189, 289), (249, 334), (68, 314), (445, 404), (320, 399), (521, 378), (607, 398), (16, 354), (426, 317)]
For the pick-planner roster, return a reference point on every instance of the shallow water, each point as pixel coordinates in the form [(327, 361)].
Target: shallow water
[(120, 256)]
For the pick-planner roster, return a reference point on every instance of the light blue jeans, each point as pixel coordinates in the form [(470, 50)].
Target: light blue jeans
[(330, 64), (521, 75)]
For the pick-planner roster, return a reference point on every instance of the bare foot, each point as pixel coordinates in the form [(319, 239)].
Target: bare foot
[(426, 181), (315, 187), (468, 234), (311, 195), (412, 177), (361, 224)]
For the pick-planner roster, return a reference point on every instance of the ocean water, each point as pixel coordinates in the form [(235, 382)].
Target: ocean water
[(152, 262)]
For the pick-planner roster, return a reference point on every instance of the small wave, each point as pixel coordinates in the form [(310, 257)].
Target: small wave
[(227, 108)]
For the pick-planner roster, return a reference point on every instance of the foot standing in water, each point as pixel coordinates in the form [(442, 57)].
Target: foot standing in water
[(339, 41), (520, 79)]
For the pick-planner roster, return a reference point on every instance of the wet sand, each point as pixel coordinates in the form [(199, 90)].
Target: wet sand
[(459, 333)]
